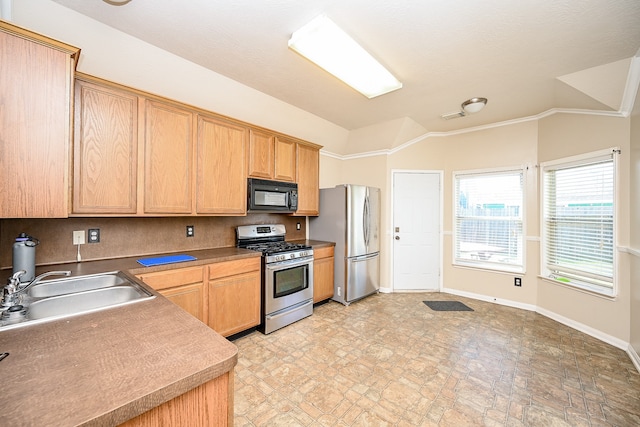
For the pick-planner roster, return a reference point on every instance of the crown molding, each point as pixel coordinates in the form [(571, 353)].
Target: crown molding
[(628, 100)]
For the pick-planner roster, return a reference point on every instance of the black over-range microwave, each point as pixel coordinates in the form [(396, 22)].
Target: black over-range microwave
[(272, 196)]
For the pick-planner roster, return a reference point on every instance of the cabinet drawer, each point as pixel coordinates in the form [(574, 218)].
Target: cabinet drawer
[(323, 252), (171, 278), (231, 268)]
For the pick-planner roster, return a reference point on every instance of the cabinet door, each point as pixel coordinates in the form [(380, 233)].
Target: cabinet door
[(36, 82), (261, 154), (308, 166), (323, 274), (168, 162), (285, 160), (222, 171), (189, 298), (182, 286), (105, 150), (234, 303)]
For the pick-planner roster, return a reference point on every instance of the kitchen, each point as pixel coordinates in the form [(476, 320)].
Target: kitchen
[(529, 142)]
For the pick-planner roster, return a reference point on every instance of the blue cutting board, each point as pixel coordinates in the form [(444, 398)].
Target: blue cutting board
[(170, 259)]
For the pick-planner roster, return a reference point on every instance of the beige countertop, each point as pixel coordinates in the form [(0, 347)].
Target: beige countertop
[(103, 368)]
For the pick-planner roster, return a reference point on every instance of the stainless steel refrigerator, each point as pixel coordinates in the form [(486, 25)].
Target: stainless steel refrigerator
[(350, 217)]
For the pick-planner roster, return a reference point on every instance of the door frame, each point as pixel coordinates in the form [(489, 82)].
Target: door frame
[(440, 174)]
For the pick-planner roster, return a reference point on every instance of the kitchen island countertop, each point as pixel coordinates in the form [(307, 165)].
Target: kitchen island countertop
[(106, 367)]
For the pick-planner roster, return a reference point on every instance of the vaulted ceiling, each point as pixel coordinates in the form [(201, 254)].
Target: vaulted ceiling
[(525, 56)]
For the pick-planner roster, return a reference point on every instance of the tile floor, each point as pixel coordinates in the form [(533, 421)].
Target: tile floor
[(389, 360)]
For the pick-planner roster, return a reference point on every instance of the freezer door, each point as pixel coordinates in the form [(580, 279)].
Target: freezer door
[(363, 276)]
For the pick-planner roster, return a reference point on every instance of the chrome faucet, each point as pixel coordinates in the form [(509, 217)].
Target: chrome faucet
[(14, 288)]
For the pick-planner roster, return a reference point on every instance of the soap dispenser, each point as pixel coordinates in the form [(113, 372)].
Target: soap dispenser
[(24, 256)]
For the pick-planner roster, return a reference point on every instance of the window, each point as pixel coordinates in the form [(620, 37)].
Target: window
[(578, 221), (488, 229)]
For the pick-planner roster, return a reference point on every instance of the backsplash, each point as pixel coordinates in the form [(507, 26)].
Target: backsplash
[(124, 237)]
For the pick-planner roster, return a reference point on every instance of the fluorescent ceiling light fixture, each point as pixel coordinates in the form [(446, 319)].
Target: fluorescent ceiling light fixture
[(325, 44)]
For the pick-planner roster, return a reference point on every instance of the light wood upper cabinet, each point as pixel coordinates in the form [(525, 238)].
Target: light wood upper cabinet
[(143, 155), (261, 154), (105, 150), (285, 160), (271, 157), (168, 161), (308, 169), (36, 85), (222, 173)]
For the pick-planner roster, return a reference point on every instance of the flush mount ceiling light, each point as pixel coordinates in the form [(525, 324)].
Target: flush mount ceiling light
[(325, 44), (116, 2), (469, 106), (473, 105)]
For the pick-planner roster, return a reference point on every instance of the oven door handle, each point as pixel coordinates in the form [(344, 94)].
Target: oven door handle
[(290, 310), (289, 263)]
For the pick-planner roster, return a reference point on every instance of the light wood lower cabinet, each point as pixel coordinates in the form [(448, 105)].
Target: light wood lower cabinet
[(210, 404), (234, 295), (228, 300), (323, 273), (183, 286)]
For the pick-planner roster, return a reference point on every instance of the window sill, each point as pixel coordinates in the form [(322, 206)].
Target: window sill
[(515, 271)]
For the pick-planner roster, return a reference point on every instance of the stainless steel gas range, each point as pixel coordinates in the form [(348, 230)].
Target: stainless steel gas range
[(287, 274)]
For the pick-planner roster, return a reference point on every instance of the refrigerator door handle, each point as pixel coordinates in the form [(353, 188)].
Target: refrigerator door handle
[(365, 220), (364, 257)]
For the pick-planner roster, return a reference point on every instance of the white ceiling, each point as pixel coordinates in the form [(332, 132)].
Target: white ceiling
[(525, 56)]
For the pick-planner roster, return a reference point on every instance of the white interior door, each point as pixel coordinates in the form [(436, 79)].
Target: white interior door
[(416, 231)]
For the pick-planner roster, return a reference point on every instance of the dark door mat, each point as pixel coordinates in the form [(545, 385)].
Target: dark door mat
[(447, 306)]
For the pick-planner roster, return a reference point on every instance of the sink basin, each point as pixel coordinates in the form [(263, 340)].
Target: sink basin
[(86, 301), (59, 298), (51, 288)]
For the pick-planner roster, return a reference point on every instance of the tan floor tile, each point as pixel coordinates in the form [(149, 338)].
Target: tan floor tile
[(390, 360)]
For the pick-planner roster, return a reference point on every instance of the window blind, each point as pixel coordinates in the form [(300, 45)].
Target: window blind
[(578, 222), (488, 230)]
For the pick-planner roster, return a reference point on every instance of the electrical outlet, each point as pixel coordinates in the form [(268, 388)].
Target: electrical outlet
[(517, 281), (298, 226), (94, 235), (190, 231), (78, 237)]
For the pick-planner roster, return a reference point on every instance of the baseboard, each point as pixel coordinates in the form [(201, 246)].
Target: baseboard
[(486, 298), (634, 357), (616, 342), (385, 290)]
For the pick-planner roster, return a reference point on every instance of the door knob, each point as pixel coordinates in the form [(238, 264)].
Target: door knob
[(397, 237)]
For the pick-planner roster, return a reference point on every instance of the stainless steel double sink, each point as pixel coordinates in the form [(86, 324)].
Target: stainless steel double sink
[(59, 298)]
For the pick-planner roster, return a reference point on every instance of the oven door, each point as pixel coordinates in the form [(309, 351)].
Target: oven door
[(287, 283)]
